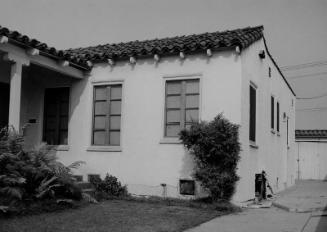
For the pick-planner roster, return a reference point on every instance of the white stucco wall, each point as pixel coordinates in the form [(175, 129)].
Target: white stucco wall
[(145, 161), (272, 153)]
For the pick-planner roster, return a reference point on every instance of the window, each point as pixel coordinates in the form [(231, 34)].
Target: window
[(269, 72), (106, 115), (56, 108), (277, 109), (182, 105), (272, 116), (287, 132), (252, 123)]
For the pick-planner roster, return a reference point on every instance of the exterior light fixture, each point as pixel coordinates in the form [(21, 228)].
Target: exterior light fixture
[(262, 54)]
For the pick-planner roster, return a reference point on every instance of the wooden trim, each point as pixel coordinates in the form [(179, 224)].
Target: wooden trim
[(107, 115), (107, 125), (183, 105), (185, 76)]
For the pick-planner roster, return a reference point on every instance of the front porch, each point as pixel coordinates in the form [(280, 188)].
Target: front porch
[(35, 96)]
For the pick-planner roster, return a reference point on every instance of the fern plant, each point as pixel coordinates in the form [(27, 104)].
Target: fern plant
[(34, 175)]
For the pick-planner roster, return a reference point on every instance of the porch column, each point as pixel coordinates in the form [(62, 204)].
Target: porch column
[(15, 89)]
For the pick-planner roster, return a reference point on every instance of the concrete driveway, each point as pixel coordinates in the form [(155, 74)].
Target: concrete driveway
[(302, 208)]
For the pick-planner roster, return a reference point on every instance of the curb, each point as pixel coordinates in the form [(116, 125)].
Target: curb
[(296, 210)]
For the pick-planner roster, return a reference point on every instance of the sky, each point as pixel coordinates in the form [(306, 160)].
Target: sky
[(295, 30)]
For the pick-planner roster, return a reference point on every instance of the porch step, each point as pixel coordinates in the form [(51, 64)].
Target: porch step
[(85, 185)]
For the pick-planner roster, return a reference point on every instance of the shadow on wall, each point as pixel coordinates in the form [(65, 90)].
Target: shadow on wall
[(171, 59)]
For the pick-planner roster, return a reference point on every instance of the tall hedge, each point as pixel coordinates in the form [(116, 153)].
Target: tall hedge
[(216, 149)]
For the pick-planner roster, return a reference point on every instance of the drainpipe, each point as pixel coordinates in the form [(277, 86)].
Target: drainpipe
[(298, 160)]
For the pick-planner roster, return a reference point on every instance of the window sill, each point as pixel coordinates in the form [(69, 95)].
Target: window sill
[(253, 145), (273, 131), (278, 134), (170, 140), (105, 148), (58, 147)]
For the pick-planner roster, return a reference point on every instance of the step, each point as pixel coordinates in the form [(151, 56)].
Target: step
[(85, 185)]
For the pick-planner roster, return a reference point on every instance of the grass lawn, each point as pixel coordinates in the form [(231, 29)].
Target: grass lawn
[(114, 215)]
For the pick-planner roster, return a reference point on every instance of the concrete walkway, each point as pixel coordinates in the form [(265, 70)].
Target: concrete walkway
[(256, 220), (305, 196), (301, 210)]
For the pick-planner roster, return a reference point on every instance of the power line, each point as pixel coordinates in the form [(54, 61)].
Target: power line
[(304, 65), (313, 109), (307, 75), (315, 97)]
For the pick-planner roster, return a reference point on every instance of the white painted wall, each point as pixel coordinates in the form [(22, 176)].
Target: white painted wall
[(312, 159), (145, 160), (272, 153)]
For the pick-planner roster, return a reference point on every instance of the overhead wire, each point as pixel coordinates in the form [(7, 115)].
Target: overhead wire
[(306, 75), (304, 65)]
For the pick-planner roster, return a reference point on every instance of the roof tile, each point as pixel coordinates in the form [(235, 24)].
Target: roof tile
[(170, 46)]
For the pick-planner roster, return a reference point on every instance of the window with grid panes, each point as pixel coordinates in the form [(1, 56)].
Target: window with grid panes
[(182, 105), (107, 115), (253, 109), (272, 110), (277, 108), (56, 112)]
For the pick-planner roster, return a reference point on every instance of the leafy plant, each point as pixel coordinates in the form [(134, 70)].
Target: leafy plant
[(35, 175), (216, 149), (109, 187)]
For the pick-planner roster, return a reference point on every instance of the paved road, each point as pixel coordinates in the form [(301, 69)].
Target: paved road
[(307, 197)]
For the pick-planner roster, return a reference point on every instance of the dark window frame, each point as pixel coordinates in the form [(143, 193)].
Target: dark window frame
[(272, 112), (183, 105), (252, 112), (108, 101), (54, 96), (277, 116)]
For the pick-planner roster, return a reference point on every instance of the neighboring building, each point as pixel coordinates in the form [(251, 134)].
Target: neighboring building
[(310, 83), (312, 154), (120, 107)]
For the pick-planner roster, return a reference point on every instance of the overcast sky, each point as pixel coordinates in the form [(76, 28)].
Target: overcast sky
[(296, 30)]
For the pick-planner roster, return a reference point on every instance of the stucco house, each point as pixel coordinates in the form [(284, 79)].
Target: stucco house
[(119, 107)]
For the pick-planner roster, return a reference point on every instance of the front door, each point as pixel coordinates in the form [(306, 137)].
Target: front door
[(4, 104), (56, 113)]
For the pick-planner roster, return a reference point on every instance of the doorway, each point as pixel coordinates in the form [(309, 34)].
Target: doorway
[(4, 104)]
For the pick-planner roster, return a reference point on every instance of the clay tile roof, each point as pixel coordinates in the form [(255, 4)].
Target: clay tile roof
[(24, 41), (310, 134), (170, 46)]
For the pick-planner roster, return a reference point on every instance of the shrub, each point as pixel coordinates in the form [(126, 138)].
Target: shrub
[(216, 148), (32, 176), (109, 187)]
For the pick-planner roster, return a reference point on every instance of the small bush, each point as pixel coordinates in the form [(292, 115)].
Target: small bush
[(216, 149), (109, 187)]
